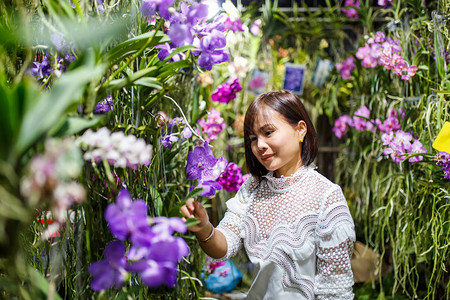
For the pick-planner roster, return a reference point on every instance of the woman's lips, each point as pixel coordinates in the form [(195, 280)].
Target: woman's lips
[(266, 157)]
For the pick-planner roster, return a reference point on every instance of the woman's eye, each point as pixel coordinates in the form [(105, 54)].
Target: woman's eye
[(252, 139), (268, 132)]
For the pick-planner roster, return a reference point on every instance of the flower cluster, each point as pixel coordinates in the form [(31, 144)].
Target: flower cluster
[(379, 50), (154, 251), (350, 10), (168, 136), (203, 166), (212, 126), (116, 148), (53, 62), (234, 26), (359, 121), (51, 177), (346, 67), (212, 266), (398, 142), (231, 179), (189, 26), (341, 125), (226, 91), (443, 160), (104, 106)]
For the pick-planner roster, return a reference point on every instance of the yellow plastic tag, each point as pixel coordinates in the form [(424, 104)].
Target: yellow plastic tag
[(442, 141)]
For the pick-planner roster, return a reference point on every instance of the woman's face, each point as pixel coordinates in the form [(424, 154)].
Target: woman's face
[(276, 143)]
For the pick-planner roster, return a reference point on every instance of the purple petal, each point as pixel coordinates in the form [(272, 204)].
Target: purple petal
[(180, 35), (209, 188), (148, 8), (101, 276), (137, 253), (153, 275), (205, 60), (123, 198), (115, 251), (143, 236)]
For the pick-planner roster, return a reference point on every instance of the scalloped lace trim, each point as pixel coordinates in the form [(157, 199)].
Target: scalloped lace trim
[(282, 183), (272, 249)]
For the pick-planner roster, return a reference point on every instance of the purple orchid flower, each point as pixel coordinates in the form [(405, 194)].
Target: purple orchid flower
[(442, 159), (341, 125), (126, 216), (231, 179), (165, 50), (180, 34), (169, 225), (157, 264), (208, 59), (202, 165), (111, 270), (104, 106), (209, 188), (417, 147), (154, 274), (199, 161), (149, 8)]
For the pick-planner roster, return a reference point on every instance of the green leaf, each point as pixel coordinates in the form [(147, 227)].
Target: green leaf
[(178, 50), (73, 125), (172, 68), (193, 194), (39, 281), (441, 92), (12, 207), (120, 83), (51, 106), (157, 200), (135, 44), (13, 104), (191, 222), (150, 82), (173, 166), (438, 47)]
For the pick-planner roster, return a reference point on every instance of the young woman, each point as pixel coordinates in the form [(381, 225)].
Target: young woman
[(293, 222)]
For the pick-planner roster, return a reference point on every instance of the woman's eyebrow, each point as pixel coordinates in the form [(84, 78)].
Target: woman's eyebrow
[(265, 126), (262, 128)]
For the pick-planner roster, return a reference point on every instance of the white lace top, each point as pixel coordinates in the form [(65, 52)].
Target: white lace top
[(298, 233)]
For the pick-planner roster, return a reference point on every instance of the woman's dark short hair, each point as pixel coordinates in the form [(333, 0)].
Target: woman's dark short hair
[(292, 109)]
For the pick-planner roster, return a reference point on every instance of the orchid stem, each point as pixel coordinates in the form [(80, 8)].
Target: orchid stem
[(185, 119)]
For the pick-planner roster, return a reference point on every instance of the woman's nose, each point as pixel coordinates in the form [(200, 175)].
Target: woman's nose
[(261, 144)]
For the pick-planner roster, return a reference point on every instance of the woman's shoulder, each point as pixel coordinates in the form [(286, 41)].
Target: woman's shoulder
[(239, 202), (319, 183)]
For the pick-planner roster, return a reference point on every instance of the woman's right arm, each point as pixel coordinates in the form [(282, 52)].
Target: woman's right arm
[(212, 241)]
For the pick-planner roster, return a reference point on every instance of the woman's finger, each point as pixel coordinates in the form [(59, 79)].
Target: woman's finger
[(189, 204), (199, 210), (185, 212)]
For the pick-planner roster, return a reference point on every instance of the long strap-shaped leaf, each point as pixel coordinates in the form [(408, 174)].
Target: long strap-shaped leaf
[(52, 105)]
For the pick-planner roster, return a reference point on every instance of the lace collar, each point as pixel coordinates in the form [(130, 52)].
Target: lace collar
[(283, 182)]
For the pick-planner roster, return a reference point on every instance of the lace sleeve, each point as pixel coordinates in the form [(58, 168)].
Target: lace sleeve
[(231, 224), (336, 235)]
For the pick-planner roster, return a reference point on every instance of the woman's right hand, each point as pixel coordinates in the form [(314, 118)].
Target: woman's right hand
[(212, 242), (193, 209)]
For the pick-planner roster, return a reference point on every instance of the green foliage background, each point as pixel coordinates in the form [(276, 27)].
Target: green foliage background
[(400, 210)]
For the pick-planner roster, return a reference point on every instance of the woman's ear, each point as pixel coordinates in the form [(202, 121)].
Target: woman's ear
[(302, 130)]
